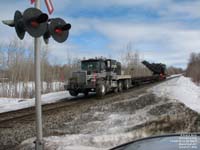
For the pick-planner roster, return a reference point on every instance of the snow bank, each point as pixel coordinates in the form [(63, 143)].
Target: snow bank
[(175, 75), (102, 136), (9, 89), (10, 104), (181, 89), (104, 131), (108, 129)]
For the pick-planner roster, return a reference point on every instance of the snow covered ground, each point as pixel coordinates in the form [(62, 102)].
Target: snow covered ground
[(114, 128), (10, 104), (22, 89), (95, 133), (174, 75), (181, 89)]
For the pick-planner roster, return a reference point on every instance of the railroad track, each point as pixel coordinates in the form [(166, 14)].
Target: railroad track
[(25, 113)]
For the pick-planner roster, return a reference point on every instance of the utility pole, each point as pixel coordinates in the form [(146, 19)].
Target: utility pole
[(37, 46)]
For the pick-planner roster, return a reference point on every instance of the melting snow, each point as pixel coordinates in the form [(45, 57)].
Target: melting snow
[(114, 128), (10, 104), (181, 89)]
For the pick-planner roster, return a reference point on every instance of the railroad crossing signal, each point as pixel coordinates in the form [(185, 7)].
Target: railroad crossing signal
[(17, 23), (32, 1), (48, 4), (58, 29), (37, 24)]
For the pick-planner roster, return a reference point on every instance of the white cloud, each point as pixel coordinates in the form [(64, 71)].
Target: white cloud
[(170, 41), (60, 5), (181, 10)]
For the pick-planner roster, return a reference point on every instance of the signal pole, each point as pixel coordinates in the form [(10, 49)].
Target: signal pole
[(36, 23), (38, 108)]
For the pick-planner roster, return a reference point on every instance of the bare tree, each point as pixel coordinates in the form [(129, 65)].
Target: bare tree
[(193, 69), (131, 63), (174, 70)]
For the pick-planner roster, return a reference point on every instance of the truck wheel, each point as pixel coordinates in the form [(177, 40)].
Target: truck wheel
[(86, 93), (116, 90), (126, 84), (120, 86), (101, 90), (73, 93)]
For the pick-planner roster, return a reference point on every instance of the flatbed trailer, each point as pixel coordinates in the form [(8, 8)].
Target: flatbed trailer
[(104, 75), (145, 79)]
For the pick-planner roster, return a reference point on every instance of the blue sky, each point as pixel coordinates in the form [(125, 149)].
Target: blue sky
[(160, 30)]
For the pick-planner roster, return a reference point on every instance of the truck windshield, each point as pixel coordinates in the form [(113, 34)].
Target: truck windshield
[(90, 65)]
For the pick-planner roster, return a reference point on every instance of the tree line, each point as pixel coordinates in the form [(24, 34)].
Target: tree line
[(17, 69), (193, 67)]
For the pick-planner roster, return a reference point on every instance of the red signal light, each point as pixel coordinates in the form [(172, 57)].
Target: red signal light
[(34, 24), (58, 31)]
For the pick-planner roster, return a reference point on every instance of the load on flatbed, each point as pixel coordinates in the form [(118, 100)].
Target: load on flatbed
[(105, 75)]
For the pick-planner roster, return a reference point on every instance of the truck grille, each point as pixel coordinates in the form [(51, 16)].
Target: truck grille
[(79, 77)]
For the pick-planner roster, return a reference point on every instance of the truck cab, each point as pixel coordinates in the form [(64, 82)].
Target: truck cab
[(93, 66), (96, 75)]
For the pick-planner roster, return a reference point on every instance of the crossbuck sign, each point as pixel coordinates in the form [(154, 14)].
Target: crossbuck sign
[(48, 4)]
